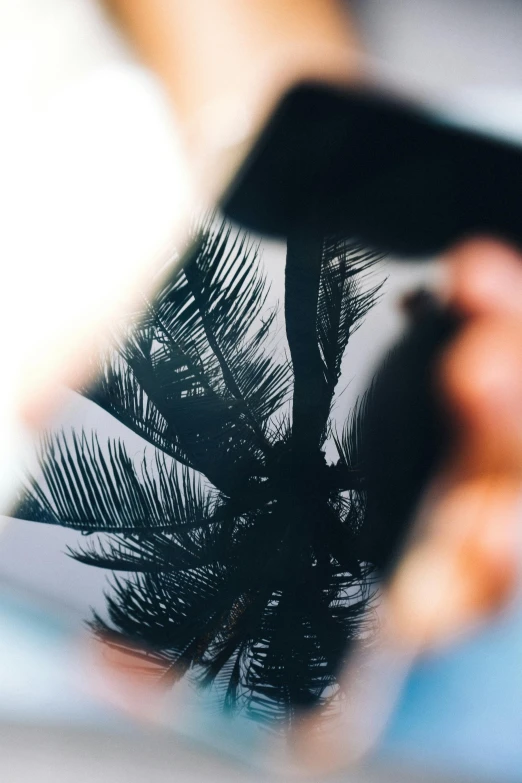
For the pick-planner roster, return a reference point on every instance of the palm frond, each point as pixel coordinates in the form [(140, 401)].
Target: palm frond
[(85, 488), (234, 551), (205, 426), (196, 374), (344, 299), (349, 444), (177, 613), (118, 391), (324, 303), (214, 310), (302, 643)]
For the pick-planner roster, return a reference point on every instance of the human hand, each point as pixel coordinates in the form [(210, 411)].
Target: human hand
[(461, 564), (464, 565)]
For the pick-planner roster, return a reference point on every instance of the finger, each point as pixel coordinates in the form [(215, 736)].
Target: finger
[(481, 385), (465, 565), (485, 277), (448, 584)]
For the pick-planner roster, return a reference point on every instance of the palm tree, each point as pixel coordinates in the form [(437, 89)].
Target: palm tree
[(236, 545)]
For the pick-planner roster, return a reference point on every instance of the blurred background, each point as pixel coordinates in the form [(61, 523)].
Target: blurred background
[(461, 711)]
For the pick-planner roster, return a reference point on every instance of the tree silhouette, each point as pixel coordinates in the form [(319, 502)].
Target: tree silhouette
[(236, 545)]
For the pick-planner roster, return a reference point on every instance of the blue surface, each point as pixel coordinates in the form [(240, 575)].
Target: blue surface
[(462, 710), (41, 678)]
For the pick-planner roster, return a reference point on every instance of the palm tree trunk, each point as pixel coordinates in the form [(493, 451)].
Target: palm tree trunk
[(311, 401)]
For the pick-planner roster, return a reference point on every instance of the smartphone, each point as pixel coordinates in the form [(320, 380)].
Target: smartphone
[(407, 179)]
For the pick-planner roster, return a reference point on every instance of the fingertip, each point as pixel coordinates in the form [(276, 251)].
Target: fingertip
[(485, 277), (481, 374)]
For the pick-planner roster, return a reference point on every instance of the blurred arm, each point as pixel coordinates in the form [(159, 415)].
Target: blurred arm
[(224, 63)]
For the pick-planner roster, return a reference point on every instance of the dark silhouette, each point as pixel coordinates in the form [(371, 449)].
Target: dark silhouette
[(406, 430), (238, 544)]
